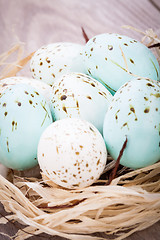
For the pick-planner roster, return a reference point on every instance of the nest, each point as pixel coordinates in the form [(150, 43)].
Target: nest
[(131, 202)]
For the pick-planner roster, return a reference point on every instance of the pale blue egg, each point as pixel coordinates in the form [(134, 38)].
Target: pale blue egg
[(134, 113), (24, 114), (78, 95), (114, 59)]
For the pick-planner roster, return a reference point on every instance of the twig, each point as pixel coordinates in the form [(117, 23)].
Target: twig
[(154, 45), (114, 171), (85, 35)]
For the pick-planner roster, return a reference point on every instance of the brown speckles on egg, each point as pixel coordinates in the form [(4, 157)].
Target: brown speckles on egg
[(89, 70), (47, 60), (98, 162), (132, 109), (150, 85), (77, 104), (7, 143), (146, 110), (64, 109), (63, 97), (92, 84), (131, 60), (110, 47), (41, 63), (4, 104), (19, 104), (89, 97), (145, 98), (36, 93), (125, 44)]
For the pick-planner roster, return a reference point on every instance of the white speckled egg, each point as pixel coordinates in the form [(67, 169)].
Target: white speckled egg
[(134, 113), (78, 95), (72, 153), (24, 114), (42, 87), (104, 57), (51, 61)]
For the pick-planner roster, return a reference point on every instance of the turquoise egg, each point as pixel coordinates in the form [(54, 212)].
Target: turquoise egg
[(134, 113), (24, 114), (114, 59)]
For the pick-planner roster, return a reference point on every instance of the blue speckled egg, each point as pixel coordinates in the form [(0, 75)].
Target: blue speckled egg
[(42, 87), (24, 114), (78, 95), (55, 59), (114, 59), (134, 113)]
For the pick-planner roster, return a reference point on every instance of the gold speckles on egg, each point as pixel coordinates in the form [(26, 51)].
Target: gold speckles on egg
[(157, 95)]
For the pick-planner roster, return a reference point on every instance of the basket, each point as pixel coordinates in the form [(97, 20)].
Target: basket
[(130, 203)]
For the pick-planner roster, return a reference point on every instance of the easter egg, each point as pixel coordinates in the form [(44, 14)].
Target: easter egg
[(78, 95), (24, 116), (114, 59), (42, 87), (134, 113), (72, 153), (53, 60)]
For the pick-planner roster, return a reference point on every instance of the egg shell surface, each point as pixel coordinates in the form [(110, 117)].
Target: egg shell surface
[(72, 153), (113, 59), (42, 87), (53, 60), (134, 113), (78, 95), (24, 116)]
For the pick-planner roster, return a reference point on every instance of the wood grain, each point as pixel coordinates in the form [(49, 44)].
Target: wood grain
[(39, 22)]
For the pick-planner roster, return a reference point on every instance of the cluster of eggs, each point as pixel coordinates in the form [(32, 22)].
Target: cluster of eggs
[(82, 102)]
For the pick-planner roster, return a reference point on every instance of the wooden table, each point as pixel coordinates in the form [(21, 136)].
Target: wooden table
[(41, 22)]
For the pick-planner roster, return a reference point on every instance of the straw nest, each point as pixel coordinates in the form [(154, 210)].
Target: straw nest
[(131, 202)]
